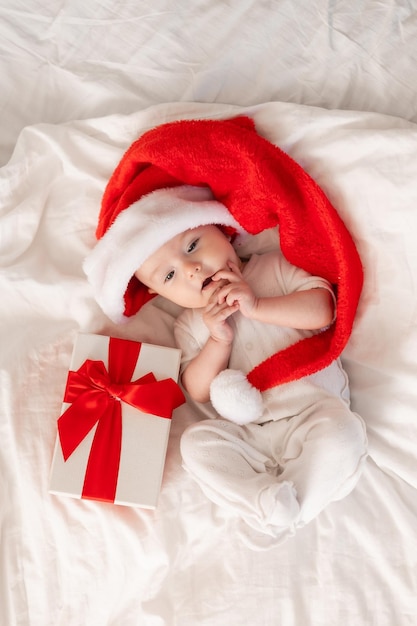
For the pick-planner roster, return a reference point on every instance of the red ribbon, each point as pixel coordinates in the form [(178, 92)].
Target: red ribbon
[(95, 395)]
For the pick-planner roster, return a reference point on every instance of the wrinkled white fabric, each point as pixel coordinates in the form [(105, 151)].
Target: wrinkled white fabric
[(334, 84), (145, 564)]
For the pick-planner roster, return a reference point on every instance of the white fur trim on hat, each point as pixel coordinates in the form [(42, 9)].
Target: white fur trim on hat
[(139, 230)]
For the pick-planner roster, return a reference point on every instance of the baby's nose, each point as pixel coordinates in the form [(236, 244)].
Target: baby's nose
[(193, 267)]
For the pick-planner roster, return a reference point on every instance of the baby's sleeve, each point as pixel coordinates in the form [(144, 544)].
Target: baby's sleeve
[(190, 336)]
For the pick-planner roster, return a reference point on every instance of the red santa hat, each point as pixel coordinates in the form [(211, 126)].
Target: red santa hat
[(222, 171)]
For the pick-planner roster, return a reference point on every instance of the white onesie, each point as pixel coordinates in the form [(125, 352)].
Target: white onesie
[(307, 449)]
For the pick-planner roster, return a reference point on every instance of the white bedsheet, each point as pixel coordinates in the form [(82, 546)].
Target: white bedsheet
[(73, 59), (334, 84)]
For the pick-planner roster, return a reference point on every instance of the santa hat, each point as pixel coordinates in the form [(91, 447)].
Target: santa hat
[(259, 186)]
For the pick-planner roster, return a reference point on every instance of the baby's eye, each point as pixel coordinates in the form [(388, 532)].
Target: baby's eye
[(192, 246), (169, 276)]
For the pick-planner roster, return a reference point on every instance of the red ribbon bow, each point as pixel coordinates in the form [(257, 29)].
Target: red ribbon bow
[(95, 395)]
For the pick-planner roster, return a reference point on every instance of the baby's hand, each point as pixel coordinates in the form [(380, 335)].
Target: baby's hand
[(215, 318), (236, 293)]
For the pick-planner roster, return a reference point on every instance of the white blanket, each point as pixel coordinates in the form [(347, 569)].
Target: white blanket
[(184, 556), (119, 69)]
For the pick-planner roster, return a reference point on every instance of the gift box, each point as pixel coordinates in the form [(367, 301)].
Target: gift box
[(115, 421)]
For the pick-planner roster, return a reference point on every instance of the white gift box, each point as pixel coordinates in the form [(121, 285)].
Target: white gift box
[(144, 436)]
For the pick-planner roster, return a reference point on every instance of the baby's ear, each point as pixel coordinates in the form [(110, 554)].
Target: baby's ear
[(151, 291)]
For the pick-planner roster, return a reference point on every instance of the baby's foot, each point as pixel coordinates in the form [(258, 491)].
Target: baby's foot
[(277, 521), (280, 505)]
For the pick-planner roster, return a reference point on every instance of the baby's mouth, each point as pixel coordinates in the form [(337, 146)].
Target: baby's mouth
[(206, 282)]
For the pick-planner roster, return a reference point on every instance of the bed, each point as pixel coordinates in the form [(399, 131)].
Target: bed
[(334, 84)]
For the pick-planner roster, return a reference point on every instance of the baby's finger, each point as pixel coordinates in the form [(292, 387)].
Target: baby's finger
[(235, 269), (226, 312), (214, 307), (223, 293), (213, 299), (227, 275), (220, 313)]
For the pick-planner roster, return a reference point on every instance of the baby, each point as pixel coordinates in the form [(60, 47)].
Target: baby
[(307, 448)]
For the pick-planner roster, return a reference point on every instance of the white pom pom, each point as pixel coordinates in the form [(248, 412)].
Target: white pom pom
[(234, 398)]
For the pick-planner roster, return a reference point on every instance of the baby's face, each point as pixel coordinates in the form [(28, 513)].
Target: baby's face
[(181, 270)]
